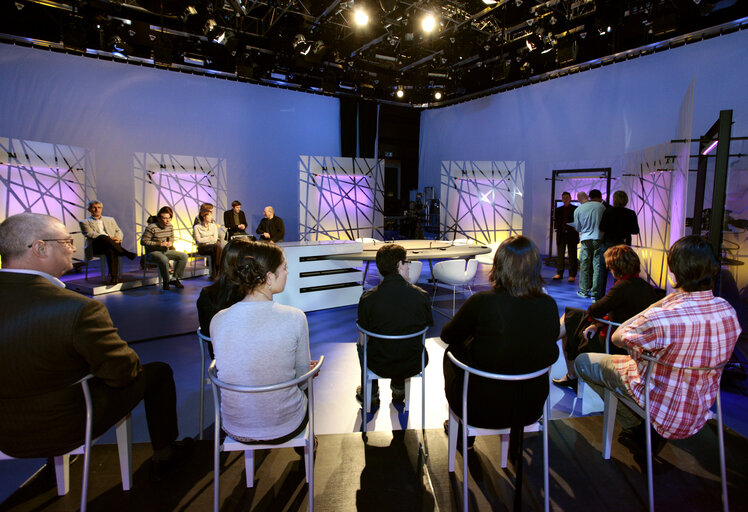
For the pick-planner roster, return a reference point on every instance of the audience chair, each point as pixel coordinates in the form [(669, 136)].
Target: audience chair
[(102, 263), (62, 462), (370, 375), (454, 273), (305, 439), (202, 340), (208, 259), (609, 418), (469, 430)]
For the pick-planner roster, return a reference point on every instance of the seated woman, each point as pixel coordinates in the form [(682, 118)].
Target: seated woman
[(223, 293), (629, 296), (206, 237), (509, 329), (258, 342)]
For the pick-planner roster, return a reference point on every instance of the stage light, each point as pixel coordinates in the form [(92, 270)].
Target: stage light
[(360, 17), (489, 2), (428, 23), (437, 95), (400, 93)]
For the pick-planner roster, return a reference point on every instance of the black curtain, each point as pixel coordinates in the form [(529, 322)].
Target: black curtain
[(348, 115), (367, 128)]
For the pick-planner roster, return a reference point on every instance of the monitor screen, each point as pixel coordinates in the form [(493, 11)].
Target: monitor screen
[(560, 203)]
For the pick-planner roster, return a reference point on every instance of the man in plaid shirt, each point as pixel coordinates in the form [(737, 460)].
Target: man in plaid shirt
[(689, 327)]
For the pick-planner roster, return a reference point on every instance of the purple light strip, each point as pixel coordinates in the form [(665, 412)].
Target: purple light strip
[(710, 147)]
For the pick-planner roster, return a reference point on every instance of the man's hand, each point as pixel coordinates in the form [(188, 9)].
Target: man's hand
[(165, 244), (312, 364), (266, 235), (590, 331), (116, 240), (240, 226)]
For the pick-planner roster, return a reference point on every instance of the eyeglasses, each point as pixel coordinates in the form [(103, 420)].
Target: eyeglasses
[(65, 241)]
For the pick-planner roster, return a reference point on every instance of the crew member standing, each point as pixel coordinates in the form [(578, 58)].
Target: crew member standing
[(567, 238)]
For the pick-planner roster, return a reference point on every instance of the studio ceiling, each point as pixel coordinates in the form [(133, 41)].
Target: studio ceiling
[(316, 45)]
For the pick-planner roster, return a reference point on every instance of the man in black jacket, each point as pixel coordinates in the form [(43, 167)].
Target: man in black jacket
[(234, 220), (567, 238), (271, 228), (393, 307)]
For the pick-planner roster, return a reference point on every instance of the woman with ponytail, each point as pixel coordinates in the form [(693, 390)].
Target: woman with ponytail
[(258, 342)]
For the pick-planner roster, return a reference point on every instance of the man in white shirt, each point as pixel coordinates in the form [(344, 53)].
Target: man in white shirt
[(591, 265), (104, 237)]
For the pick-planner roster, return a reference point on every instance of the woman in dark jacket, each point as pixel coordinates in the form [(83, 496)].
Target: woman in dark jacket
[(629, 296), (509, 329)]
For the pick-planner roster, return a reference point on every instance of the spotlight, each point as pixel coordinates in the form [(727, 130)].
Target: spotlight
[(400, 93), (19, 6), (437, 94), (428, 23), (517, 2), (360, 17), (489, 2)]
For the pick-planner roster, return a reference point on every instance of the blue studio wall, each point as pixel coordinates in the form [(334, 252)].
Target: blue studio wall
[(118, 110), (589, 117)]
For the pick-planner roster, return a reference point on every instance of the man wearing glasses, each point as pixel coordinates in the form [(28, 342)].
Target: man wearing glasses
[(50, 338), (158, 240), (393, 307), (104, 237)]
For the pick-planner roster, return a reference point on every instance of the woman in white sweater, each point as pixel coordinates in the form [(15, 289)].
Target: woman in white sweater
[(206, 236), (258, 342)]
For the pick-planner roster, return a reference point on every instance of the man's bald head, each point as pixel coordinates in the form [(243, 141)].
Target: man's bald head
[(18, 232)]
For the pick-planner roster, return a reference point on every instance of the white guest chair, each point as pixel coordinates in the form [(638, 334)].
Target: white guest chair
[(609, 418), (487, 259), (370, 375), (366, 241), (454, 273), (608, 333), (455, 421), (202, 340), (305, 438), (124, 447)]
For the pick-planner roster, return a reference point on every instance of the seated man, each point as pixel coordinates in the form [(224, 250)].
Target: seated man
[(104, 237), (271, 228), (689, 327), (50, 338), (393, 307), (234, 220), (158, 240)]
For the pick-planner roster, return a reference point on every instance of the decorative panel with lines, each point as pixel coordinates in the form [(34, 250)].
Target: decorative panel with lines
[(181, 182), (52, 179), (340, 198), (482, 200)]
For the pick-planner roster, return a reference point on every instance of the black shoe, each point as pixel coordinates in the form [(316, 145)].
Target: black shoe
[(180, 449), (130, 255), (360, 398), (567, 382), (635, 439), (166, 285), (178, 283), (583, 294)]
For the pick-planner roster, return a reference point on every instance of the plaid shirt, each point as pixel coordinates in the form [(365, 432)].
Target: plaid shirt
[(686, 329)]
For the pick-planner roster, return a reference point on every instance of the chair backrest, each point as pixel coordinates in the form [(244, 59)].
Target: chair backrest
[(656, 361), (468, 370), (368, 334), (239, 388), (455, 271), (203, 340), (609, 332), (414, 272)]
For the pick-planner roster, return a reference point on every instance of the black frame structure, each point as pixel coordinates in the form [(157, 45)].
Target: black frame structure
[(603, 172)]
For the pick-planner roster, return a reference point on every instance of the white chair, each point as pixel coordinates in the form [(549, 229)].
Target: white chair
[(454, 273), (461, 241), (202, 340), (469, 430), (365, 240), (305, 438), (609, 418), (124, 447), (414, 272), (370, 375), (487, 259)]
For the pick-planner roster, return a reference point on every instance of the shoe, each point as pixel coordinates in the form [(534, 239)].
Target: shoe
[(166, 285), (635, 439), (572, 279), (471, 439), (567, 382), (130, 255), (360, 398), (178, 283), (583, 294), (557, 277), (398, 396), (113, 281), (180, 449)]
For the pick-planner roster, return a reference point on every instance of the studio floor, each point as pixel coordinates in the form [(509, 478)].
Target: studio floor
[(389, 471)]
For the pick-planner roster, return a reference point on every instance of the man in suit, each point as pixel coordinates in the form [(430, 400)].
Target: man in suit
[(271, 228), (234, 220), (50, 338), (567, 238), (104, 237)]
